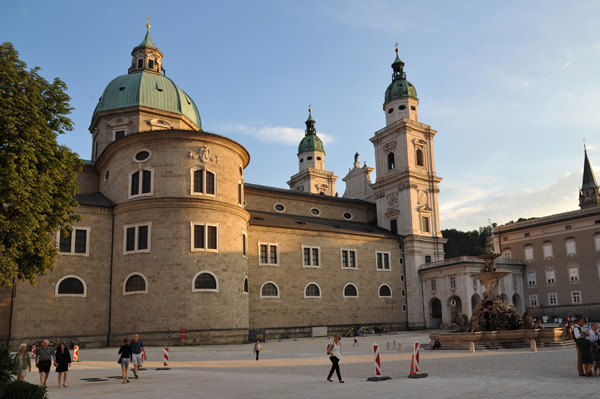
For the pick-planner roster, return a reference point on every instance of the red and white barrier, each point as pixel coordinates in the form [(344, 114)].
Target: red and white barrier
[(33, 350), (417, 351), (76, 353), (166, 356), (377, 360)]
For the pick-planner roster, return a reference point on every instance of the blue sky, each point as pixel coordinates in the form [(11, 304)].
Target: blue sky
[(511, 87)]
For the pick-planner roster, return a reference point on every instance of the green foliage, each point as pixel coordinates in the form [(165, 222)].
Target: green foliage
[(7, 364), (21, 390), (465, 243), (37, 183)]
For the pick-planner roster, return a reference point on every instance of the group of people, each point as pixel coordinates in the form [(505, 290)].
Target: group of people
[(45, 356), (131, 352), (588, 351)]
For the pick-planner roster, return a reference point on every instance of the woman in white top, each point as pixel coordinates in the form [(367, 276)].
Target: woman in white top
[(593, 336), (334, 350)]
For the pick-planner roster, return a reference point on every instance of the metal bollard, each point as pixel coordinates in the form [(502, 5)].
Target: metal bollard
[(472, 347)]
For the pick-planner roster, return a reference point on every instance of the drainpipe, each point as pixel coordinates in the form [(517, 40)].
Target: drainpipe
[(405, 287), (110, 282)]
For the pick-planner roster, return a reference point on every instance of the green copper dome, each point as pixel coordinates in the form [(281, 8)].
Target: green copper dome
[(400, 87), (311, 141), (149, 90)]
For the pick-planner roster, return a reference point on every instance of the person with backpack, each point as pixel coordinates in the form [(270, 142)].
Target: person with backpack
[(334, 350), (577, 335)]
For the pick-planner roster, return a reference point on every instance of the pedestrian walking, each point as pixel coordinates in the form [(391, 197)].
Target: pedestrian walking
[(257, 349), (124, 359), (62, 363), (334, 350), (137, 351), (43, 361), (23, 362), (585, 348)]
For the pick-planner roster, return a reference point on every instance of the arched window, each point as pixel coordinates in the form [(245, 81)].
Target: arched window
[(205, 281), (71, 286), (203, 182), (385, 291), (135, 284), (350, 291), (246, 285), (391, 161), (141, 183), (269, 290), (312, 290), (420, 161)]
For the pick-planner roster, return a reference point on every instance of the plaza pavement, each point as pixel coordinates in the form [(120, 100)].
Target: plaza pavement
[(298, 369)]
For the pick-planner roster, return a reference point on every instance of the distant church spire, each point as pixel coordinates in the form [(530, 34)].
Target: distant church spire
[(588, 195)]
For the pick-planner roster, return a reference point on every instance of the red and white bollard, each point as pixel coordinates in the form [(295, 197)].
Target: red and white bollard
[(415, 367), (377, 360), (33, 350), (166, 356), (76, 353)]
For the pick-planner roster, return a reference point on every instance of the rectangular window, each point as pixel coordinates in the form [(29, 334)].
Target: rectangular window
[(244, 244), (404, 307), (533, 300), (425, 224), (268, 254), (475, 283), (575, 297), (515, 280), (529, 253), (433, 285), (573, 274), (240, 195), (140, 63), (150, 64), (383, 260), (550, 277), (137, 238), (507, 254), (394, 226), (531, 280), (570, 247), (146, 181), (205, 237), (452, 282), (547, 247), (348, 259), (311, 256), (119, 134), (552, 298), (76, 243), (427, 259), (403, 292)]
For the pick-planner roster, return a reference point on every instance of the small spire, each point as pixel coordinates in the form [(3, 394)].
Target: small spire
[(148, 27), (310, 123)]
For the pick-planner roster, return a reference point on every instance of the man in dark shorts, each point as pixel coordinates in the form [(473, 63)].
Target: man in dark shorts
[(137, 353), (44, 357)]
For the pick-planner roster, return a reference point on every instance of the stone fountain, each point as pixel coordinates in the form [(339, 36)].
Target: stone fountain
[(493, 314), (495, 322)]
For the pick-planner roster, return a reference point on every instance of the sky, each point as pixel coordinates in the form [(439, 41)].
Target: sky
[(512, 87)]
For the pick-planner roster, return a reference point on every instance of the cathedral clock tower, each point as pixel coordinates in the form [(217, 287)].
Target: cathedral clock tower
[(406, 189)]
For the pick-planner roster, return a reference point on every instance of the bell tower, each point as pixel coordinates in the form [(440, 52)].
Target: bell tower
[(588, 194), (406, 188), (312, 176)]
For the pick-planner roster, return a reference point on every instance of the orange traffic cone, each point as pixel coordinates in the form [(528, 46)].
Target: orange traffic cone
[(412, 365)]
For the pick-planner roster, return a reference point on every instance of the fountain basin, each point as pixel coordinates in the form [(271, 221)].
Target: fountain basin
[(495, 339)]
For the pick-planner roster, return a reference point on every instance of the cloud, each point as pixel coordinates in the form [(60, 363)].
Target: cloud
[(273, 134), (466, 206)]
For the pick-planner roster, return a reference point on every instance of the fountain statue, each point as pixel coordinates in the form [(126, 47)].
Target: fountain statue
[(493, 313)]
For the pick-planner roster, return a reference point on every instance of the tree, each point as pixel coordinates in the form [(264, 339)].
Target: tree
[(466, 243), (37, 176)]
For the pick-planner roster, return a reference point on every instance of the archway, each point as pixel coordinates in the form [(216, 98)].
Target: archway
[(435, 306), (455, 305), (516, 300), (475, 300), (504, 297)]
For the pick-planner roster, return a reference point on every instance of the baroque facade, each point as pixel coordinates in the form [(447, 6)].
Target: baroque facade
[(171, 236)]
